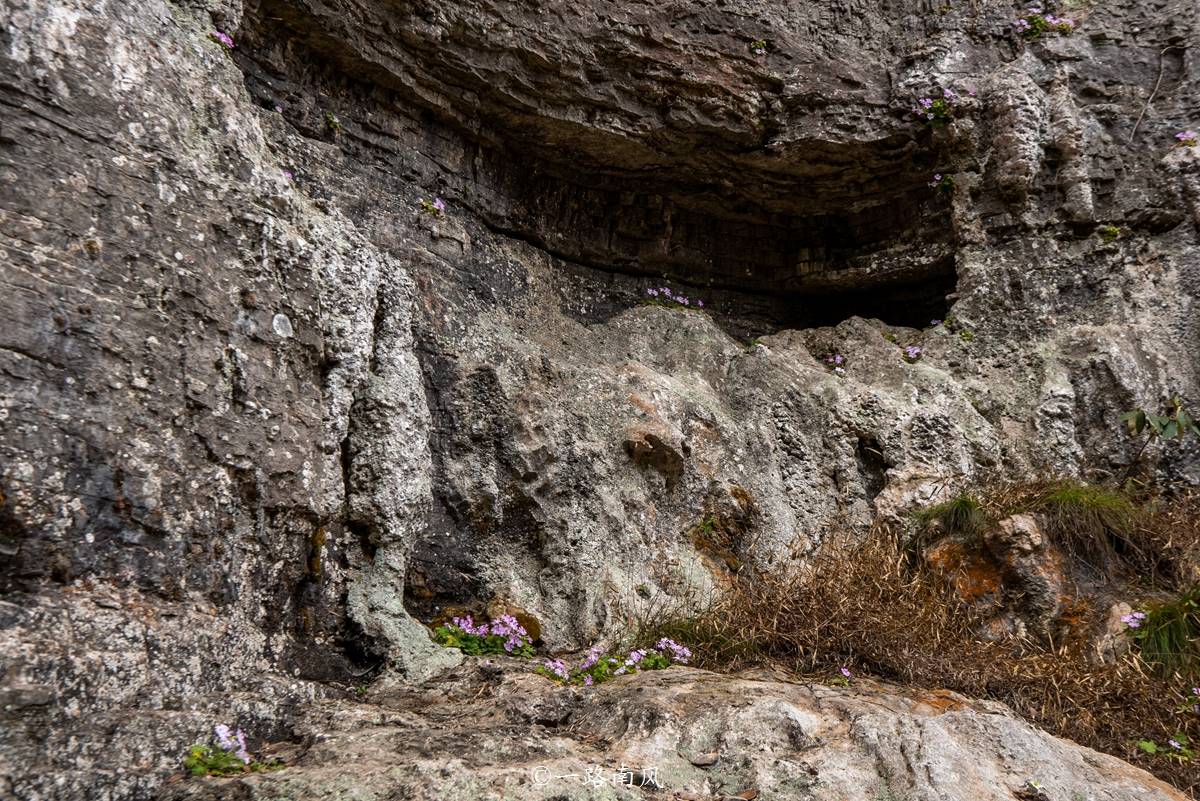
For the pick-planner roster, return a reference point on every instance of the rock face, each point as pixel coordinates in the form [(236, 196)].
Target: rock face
[(680, 734), (259, 411)]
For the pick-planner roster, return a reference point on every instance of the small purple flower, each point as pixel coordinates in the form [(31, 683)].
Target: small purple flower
[(278, 109), (440, 205), (912, 352), (839, 371), (593, 656), (925, 103), (558, 668), (588, 681), (652, 293), (288, 174), (845, 671), (949, 94), (1188, 138), (672, 650), (619, 671), (1174, 745), (935, 323), (223, 38), (241, 752), (637, 656), (1196, 691), (224, 737), (700, 303), (937, 180), (1133, 619)]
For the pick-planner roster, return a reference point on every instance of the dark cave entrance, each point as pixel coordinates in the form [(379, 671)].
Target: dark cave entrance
[(826, 231)]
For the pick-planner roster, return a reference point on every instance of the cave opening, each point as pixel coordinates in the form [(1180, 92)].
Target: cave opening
[(825, 232)]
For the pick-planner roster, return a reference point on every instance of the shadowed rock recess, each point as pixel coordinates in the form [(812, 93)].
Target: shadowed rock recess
[(262, 416)]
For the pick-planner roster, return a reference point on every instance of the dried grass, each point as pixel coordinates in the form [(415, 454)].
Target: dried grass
[(868, 605)]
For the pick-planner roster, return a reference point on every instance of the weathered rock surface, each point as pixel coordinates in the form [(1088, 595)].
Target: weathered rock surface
[(257, 410), (678, 734)]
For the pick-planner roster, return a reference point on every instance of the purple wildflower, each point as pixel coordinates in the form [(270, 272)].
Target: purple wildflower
[(839, 371), (288, 174), (588, 681), (224, 738), (440, 205), (652, 293), (700, 303), (241, 752), (513, 632), (223, 38), (593, 656), (558, 668), (673, 650), (1174, 745), (1133, 619), (467, 625), (1188, 138), (949, 94), (937, 180), (845, 671), (935, 323), (1196, 691), (912, 352)]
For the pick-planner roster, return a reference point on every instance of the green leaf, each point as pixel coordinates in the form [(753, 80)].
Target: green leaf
[(1136, 420), (1149, 746)]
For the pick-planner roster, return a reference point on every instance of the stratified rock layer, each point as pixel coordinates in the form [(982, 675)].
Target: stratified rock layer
[(258, 410)]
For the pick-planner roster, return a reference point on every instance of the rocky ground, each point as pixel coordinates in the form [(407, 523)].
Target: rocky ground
[(491, 730), (262, 415)]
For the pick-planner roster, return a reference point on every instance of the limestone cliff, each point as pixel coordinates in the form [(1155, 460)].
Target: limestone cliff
[(262, 411)]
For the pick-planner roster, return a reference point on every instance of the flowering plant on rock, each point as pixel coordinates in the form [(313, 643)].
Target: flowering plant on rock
[(936, 110), (225, 757), (1036, 21), (598, 667), (663, 296), (501, 636)]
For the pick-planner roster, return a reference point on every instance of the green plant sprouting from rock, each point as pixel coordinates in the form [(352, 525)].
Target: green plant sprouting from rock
[(1173, 423), (598, 667), (501, 636), (1036, 21), (228, 756)]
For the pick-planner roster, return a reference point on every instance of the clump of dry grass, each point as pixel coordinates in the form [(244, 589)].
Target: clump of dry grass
[(869, 605)]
